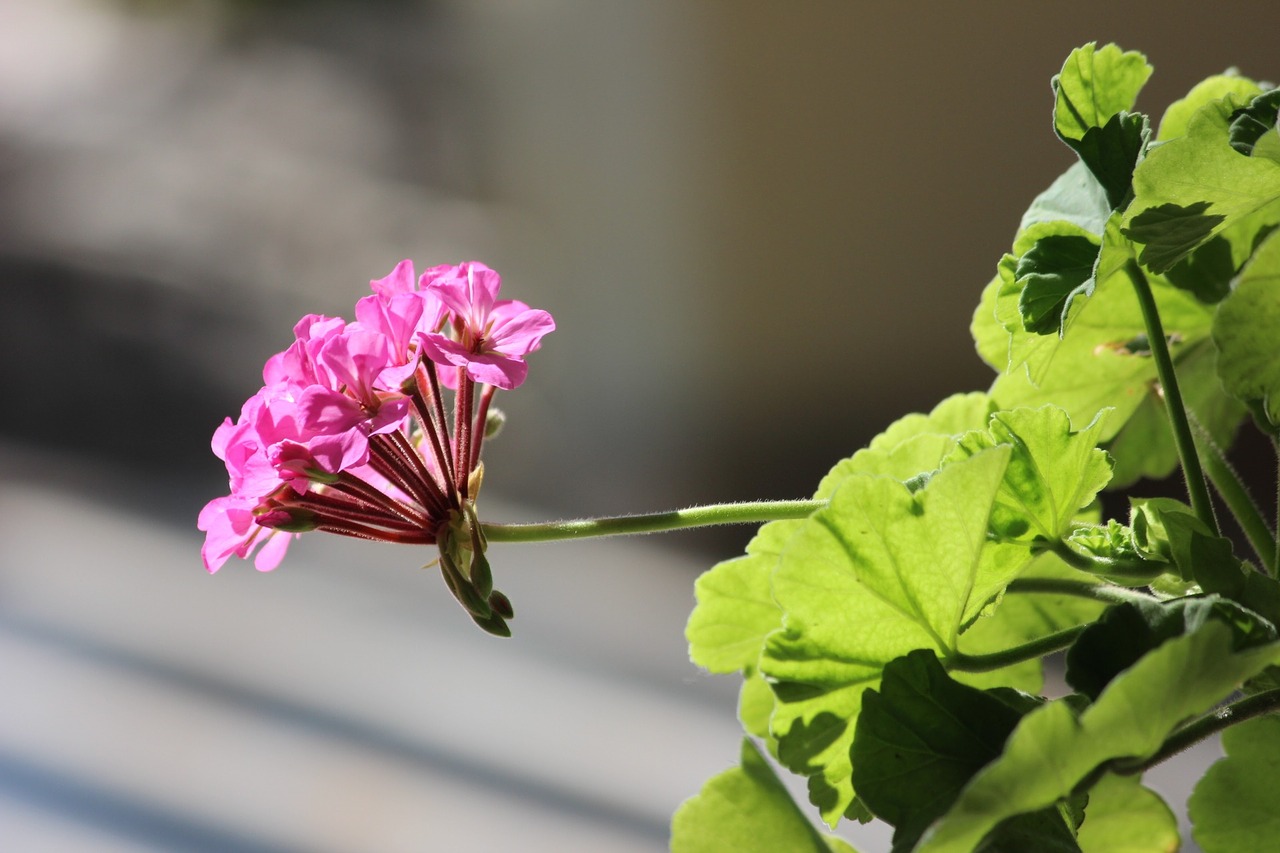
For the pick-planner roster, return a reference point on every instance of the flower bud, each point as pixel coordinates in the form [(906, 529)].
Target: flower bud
[(494, 421)]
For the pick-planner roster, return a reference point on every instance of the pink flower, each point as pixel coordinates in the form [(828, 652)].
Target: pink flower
[(231, 528), (493, 335), (350, 432)]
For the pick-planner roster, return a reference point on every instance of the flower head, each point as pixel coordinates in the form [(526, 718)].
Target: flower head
[(350, 434)]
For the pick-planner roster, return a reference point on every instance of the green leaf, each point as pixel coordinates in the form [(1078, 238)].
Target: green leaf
[(1127, 632), (1246, 329), (1094, 85), (1252, 131), (908, 570), (1233, 808), (1125, 817), (1019, 619), (1051, 274), (736, 610), (1207, 271), (1103, 360), (746, 808), (1093, 96), (920, 737), (1054, 748), (1196, 186), (1075, 197), (1053, 472), (1178, 115)]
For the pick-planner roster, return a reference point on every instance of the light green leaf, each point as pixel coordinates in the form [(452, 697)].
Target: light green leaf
[(1094, 85), (1053, 749), (905, 567), (1075, 197), (1094, 93), (1246, 330), (1178, 115), (1233, 808), (1125, 817), (1196, 186), (747, 808), (1052, 474), (1103, 360), (736, 610)]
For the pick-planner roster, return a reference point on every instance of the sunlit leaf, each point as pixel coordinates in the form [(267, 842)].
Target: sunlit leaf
[(747, 808), (1233, 808), (1246, 330), (904, 566)]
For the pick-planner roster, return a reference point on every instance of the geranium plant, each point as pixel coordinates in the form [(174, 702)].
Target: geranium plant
[(890, 631)]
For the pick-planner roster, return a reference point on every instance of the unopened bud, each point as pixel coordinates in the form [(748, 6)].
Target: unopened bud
[(288, 519), (494, 421), (501, 605)]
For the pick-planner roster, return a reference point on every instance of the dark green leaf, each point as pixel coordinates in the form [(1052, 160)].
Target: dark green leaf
[(1206, 272), (1051, 274), (1171, 231), (1127, 632), (920, 738), (1251, 124), (1111, 152)]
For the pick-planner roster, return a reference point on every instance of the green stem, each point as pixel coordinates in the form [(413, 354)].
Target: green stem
[(1027, 651), (1226, 480), (1107, 593), (654, 522), (1136, 570), (1197, 730), (1197, 489)]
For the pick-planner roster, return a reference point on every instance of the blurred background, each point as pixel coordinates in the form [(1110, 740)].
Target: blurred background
[(761, 227)]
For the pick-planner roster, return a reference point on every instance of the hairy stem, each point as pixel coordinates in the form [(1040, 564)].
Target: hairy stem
[(1108, 593), (1226, 480), (1137, 569), (1197, 489), (1197, 730), (1027, 651), (655, 522)]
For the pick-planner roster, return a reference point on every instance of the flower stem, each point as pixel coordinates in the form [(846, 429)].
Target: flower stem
[(1027, 651), (655, 522), (1197, 730), (1197, 489)]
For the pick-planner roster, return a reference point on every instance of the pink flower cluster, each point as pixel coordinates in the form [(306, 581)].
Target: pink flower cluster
[(350, 432)]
